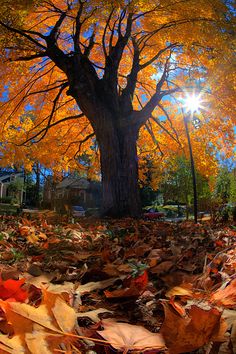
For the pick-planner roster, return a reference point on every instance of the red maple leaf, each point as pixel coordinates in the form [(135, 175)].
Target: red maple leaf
[(11, 289)]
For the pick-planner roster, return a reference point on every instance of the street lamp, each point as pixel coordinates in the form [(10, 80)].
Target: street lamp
[(192, 104)]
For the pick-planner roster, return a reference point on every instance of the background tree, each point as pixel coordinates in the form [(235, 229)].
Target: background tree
[(117, 62), (225, 186), (177, 188)]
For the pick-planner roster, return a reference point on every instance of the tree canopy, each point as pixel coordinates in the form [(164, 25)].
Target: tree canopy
[(80, 76)]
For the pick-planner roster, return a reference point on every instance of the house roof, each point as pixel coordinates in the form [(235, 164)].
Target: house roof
[(71, 182), (6, 174)]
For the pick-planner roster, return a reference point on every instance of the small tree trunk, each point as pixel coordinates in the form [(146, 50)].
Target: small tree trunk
[(37, 184), (119, 168)]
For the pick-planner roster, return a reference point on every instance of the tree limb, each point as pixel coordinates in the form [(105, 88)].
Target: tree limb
[(150, 61), (128, 93), (105, 31), (150, 131), (23, 33), (50, 126), (81, 142)]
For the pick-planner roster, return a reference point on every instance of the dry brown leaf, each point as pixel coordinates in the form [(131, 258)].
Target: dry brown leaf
[(39, 281), (178, 307), (66, 287), (162, 267), (37, 341), (123, 336), (20, 324), (39, 315), (93, 314), (179, 291), (225, 297), (64, 315), (190, 333), (176, 278), (229, 317), (86, 288), (13, 345)]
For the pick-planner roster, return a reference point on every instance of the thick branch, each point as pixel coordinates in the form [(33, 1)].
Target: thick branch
[(146, 111), (53, 51), (105, 31), (91, 44), (128, 92), (78, 25), (115, 53)]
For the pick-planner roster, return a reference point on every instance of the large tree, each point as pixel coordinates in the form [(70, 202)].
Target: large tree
[(105, 69)]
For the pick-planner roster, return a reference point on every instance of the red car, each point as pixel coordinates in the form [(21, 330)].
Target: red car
[(154, 214)]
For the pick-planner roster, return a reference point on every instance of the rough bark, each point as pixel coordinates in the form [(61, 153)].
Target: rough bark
[(117, 135), (119, 169)]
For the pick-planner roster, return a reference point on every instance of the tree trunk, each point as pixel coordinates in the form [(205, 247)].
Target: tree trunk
[(119, 169)]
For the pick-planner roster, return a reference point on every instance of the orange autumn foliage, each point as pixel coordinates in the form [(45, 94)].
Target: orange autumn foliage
[(172, 44)]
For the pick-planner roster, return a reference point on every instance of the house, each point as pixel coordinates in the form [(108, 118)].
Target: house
[(12, 186), (72, 191)]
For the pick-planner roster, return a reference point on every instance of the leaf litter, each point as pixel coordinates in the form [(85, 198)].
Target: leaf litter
[(117, 286)]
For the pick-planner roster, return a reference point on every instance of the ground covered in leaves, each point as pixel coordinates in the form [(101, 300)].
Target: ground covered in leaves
[(108, 286)]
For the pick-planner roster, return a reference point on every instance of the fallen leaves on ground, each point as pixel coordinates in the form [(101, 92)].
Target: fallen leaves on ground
[(225, 297), (65, 286), (188, 333)]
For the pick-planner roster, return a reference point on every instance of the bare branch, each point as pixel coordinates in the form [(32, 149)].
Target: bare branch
[(145, 13), (23, 34), (30, 57), (147, 110), (78, 25), (105, 31), (53, 111), (81, 142), (169, 120), (150, 61), (128, 92), (46, 89), (150, 131), (90, 46), (50, 126), (122, 16)]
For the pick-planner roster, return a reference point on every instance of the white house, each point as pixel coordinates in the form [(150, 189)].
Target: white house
[(6, 178)]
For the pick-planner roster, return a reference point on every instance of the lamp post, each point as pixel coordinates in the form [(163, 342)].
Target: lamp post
[(192, 103)]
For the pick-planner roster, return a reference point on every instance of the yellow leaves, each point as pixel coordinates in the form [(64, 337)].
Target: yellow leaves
[(179, 291), (38, 330), (65, 315), (37, 341), (30, 233), (38, 315), (12, 345)]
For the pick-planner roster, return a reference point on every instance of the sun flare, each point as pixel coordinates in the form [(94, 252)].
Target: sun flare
[(192, 103)]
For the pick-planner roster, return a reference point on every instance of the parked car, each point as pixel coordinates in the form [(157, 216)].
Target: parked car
[(152, 214), (78, 211)]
